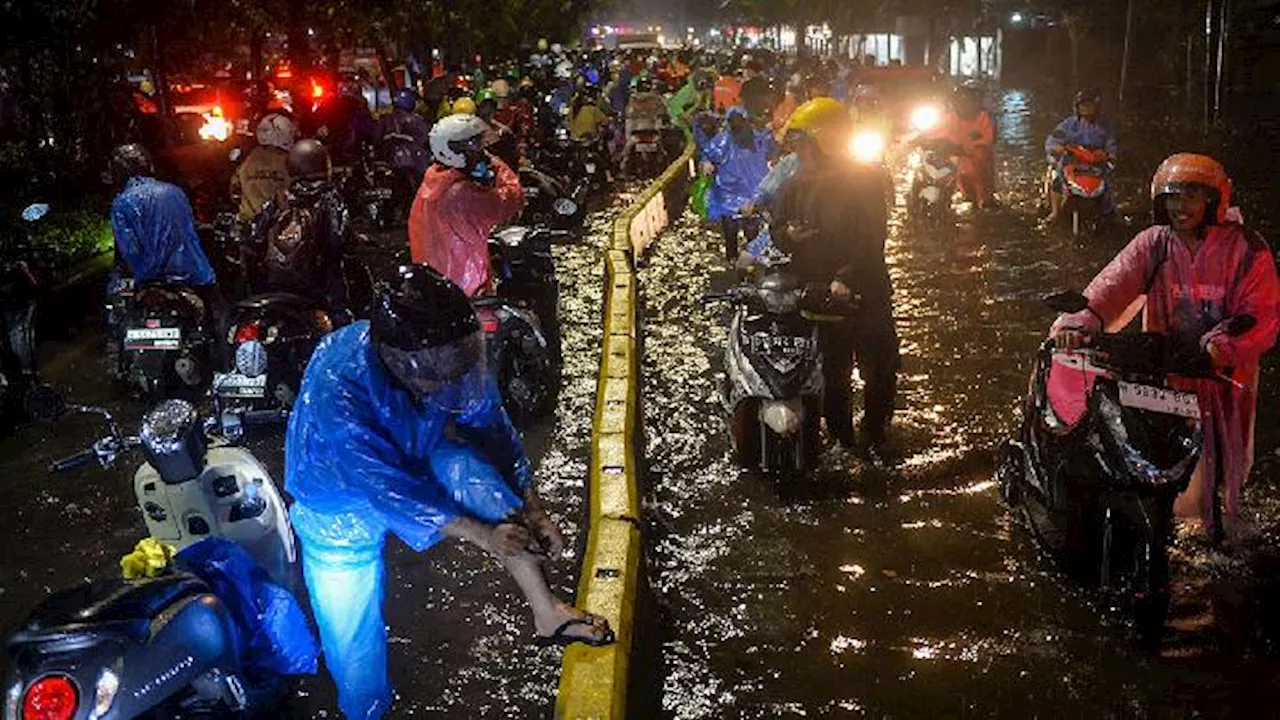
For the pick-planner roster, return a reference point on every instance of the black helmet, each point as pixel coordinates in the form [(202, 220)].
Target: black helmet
[(308, 160), (428, 327), (131, 160)]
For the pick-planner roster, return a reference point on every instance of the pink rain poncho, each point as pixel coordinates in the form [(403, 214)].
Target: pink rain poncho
[(452, 217), (1187, 297)]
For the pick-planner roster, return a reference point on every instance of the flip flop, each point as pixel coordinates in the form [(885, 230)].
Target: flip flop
[(559, 639)]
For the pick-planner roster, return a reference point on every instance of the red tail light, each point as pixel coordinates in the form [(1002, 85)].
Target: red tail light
[(51, 698), (246, 332), (490, 325)]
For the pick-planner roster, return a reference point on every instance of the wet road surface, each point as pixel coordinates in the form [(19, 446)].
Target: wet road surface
[(914, 592), (460, 635)]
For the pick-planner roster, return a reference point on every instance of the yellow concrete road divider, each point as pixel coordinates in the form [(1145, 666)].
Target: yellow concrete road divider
[(594, 681)]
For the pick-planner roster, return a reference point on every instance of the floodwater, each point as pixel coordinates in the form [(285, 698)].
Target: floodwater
[(913, 591), (461, 639)]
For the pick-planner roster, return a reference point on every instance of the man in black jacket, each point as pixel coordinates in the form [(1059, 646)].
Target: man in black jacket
[(832, 219)]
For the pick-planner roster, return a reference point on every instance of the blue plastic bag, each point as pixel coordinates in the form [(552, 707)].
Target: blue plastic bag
[(274, 633)]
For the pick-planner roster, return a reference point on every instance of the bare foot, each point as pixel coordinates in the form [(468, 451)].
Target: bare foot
[(594, 628)]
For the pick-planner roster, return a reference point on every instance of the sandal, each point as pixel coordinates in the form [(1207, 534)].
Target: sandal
[(559, 639)]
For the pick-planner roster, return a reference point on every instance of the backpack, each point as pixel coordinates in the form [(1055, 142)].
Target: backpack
[(292, 248)]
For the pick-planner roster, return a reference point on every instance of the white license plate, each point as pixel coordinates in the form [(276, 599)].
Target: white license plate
[(237, 385), (153, 338), (647, 147), (1161, 400), (379, 194)]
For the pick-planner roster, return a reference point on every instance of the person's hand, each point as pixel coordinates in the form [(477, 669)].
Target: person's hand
[(507, 539), (544, 530), (1071, 338), (840, 291)]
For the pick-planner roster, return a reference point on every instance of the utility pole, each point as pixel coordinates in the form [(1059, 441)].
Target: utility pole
[(1124, 62), (1224, 37)]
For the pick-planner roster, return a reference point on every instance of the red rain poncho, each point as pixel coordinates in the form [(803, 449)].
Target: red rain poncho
[(452, 217), (1232, 273)]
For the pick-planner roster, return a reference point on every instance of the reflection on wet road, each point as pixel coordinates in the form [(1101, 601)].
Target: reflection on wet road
[(914, 592), (461, 637)]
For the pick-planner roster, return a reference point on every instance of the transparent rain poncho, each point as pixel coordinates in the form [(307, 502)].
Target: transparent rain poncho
[(1188, 297), (155, 233), (364, 457)]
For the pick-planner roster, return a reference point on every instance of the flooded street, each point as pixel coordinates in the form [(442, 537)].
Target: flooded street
[(915, 592), (461, 639)]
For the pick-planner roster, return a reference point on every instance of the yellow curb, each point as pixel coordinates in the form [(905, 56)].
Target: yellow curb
[(593, 681)]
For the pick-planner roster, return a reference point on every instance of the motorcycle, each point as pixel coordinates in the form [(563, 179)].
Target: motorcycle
[(1107, 442), (222, 240), (549, 202), (520, 321), (272, 337), (18, 291), (1084, 185), (126, 648), (772, 389), (647, 149), (369, 188), (934, 181), (165, 337)]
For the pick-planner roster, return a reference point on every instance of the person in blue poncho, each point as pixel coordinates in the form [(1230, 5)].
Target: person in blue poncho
[(399, 428), (1084, 128), (739, 156)]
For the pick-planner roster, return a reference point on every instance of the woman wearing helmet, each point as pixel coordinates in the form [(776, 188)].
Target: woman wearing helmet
[(368, 455), (405, 139), (262, 175), (1193, 270), (1083, 128), (465, 194), (969, 126), (831, 216)]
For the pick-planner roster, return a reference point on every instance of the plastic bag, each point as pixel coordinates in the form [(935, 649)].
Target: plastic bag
[(274, 633), (698, 195), (150, 558)]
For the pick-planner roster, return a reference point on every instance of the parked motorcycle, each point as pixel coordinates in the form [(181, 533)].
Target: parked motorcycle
[(272, 337), (169, 645), (934, 180), (1085, 187), (165, 337), (521, 322), (1108, 441), (18, 290), (772, 389)]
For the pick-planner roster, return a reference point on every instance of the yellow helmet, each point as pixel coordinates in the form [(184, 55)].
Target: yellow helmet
[(464, 105), (822, 118)]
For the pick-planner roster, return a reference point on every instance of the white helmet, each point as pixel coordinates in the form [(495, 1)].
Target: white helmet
[(277, 131), (451, 133), (557, 49), (564, 70)]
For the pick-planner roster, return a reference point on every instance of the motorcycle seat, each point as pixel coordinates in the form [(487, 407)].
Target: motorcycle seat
[(261, 302), (110, 602)]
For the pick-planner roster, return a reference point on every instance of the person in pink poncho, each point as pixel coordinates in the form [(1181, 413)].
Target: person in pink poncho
[(1196, 268), (465, 194)]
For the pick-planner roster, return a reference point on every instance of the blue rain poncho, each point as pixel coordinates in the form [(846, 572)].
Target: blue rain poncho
[(1077, 131), (364, 457), (739, 170), (778, 177), (155, 233)]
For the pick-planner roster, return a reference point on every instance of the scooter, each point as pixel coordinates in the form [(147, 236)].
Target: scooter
[(125, 648), (772, 389), (18, 291), (934, 180), (1085, 187), (272, 337), (1107, 442)]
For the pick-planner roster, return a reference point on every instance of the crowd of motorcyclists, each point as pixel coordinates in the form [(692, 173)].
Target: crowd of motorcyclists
[(400, 429)]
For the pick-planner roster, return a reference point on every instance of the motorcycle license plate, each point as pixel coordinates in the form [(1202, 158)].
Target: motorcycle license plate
[(647, 147), (235, 385), (1160, 400), (153, 338), (379, 194)]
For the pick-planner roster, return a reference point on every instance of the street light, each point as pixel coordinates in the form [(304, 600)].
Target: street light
[(1016, 18)]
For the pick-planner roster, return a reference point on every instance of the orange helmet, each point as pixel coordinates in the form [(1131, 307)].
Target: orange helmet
[(1185, 170)]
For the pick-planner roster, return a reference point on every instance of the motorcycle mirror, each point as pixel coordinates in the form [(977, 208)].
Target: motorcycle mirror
[(35, 211), (45, 404), (1068, 301), (1241, 324)]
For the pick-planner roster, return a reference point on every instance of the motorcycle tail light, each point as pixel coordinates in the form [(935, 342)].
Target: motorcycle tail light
[(51, 698), (490, 324), (247, 332)]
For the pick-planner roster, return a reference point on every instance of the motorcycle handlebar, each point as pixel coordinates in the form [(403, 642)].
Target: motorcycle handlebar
[(72, 462)]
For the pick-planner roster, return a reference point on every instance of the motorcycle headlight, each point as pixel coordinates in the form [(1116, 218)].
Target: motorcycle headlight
[(867, 146), (926, 117)]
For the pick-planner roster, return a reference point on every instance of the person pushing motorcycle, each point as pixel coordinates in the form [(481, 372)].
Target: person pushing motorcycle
[(832, 218), (400, 429), (1191, 272)]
